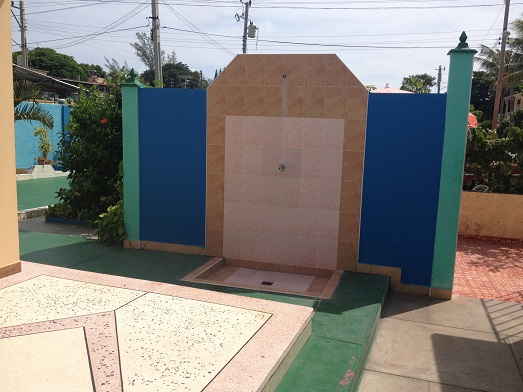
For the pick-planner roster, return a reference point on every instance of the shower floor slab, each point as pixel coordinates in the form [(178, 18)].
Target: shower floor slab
[(135, 335), (267, 277)]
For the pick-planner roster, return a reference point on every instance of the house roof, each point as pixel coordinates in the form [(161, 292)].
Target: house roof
[(43, 81), (390, 90)]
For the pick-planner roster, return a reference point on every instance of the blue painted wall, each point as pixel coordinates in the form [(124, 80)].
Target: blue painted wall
[(26, 143), (172, 165), (401, 182)]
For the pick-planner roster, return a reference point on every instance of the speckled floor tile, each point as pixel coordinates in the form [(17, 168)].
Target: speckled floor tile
[(45, 362), (47, 298), (64, 291), (175, 344), (100, 330)]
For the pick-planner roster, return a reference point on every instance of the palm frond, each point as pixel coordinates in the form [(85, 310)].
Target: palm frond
[(34, 112), (24, 90)]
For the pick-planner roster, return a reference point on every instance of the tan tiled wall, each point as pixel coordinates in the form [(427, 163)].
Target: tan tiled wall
[(308, 86), (491, 214)]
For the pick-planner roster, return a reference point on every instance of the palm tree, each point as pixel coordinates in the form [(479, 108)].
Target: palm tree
[(23, 91)]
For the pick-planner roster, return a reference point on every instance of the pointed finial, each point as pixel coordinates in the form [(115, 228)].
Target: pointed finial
[(463, 46), (463, 41)]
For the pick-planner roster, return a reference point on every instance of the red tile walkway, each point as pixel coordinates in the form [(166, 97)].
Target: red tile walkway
[(489, 269)]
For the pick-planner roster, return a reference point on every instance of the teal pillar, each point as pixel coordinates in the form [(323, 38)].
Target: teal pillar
[(131, 156), (453, 159)]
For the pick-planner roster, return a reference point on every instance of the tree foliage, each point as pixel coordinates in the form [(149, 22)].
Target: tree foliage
[(144, 50), (482, 94), (420, 83), (495, 157), (60, 65), (92, 151), (177, 75)]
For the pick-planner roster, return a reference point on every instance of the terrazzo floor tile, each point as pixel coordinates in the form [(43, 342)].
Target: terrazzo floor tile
[(46, 298), (255, 334), (175, 344), (54, 361), (100, 331)]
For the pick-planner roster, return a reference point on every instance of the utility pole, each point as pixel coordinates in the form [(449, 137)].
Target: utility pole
[(439, 78), (245, 24), (23, 28), (155, 36), (499, 85), (25, 62)]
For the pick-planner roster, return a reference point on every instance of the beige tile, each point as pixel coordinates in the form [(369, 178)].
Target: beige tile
[(54, 361), (295, 69), (349, 226), (350, 199), (336, 71), (354, 135), (215, 185), (214, 242), (347, 256), (352, 166), (274, 65), (314, 102), (254, 100), (356, 103), (215, 129), (334, 102), (254, 70), (235, 71), (215, 215), (214, 197), (216, 101), (315, 70), (219, 81), (272, 101), (353, 81), (215, 158), (234, 100), (294, 96)]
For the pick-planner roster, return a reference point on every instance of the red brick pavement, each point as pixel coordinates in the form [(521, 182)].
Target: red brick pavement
[(489, 269)]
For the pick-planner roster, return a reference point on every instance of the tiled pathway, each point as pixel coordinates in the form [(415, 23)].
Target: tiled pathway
[(68, 330), (489, 269)]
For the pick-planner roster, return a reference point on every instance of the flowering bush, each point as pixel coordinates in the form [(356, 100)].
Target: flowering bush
[(91, 150)]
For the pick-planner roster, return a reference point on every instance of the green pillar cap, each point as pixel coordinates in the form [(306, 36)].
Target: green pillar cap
[(463, 46)]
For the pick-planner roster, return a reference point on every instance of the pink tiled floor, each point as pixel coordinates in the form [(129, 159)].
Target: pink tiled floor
[(489, 269)]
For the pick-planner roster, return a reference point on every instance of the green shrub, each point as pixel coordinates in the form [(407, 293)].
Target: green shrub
[(493, 158), (111, 228), (91, 150)]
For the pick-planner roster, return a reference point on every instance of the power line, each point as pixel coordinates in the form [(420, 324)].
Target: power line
[(197, 30)]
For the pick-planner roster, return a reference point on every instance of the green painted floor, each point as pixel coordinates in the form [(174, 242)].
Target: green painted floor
[(39, 192), (343, 328)]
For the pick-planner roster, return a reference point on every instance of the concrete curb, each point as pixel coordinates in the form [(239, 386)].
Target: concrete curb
[(31, 213)]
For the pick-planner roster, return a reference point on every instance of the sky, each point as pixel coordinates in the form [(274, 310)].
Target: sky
[(380, 41)]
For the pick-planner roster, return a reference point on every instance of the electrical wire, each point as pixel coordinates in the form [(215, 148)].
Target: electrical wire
[(197, 30)]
